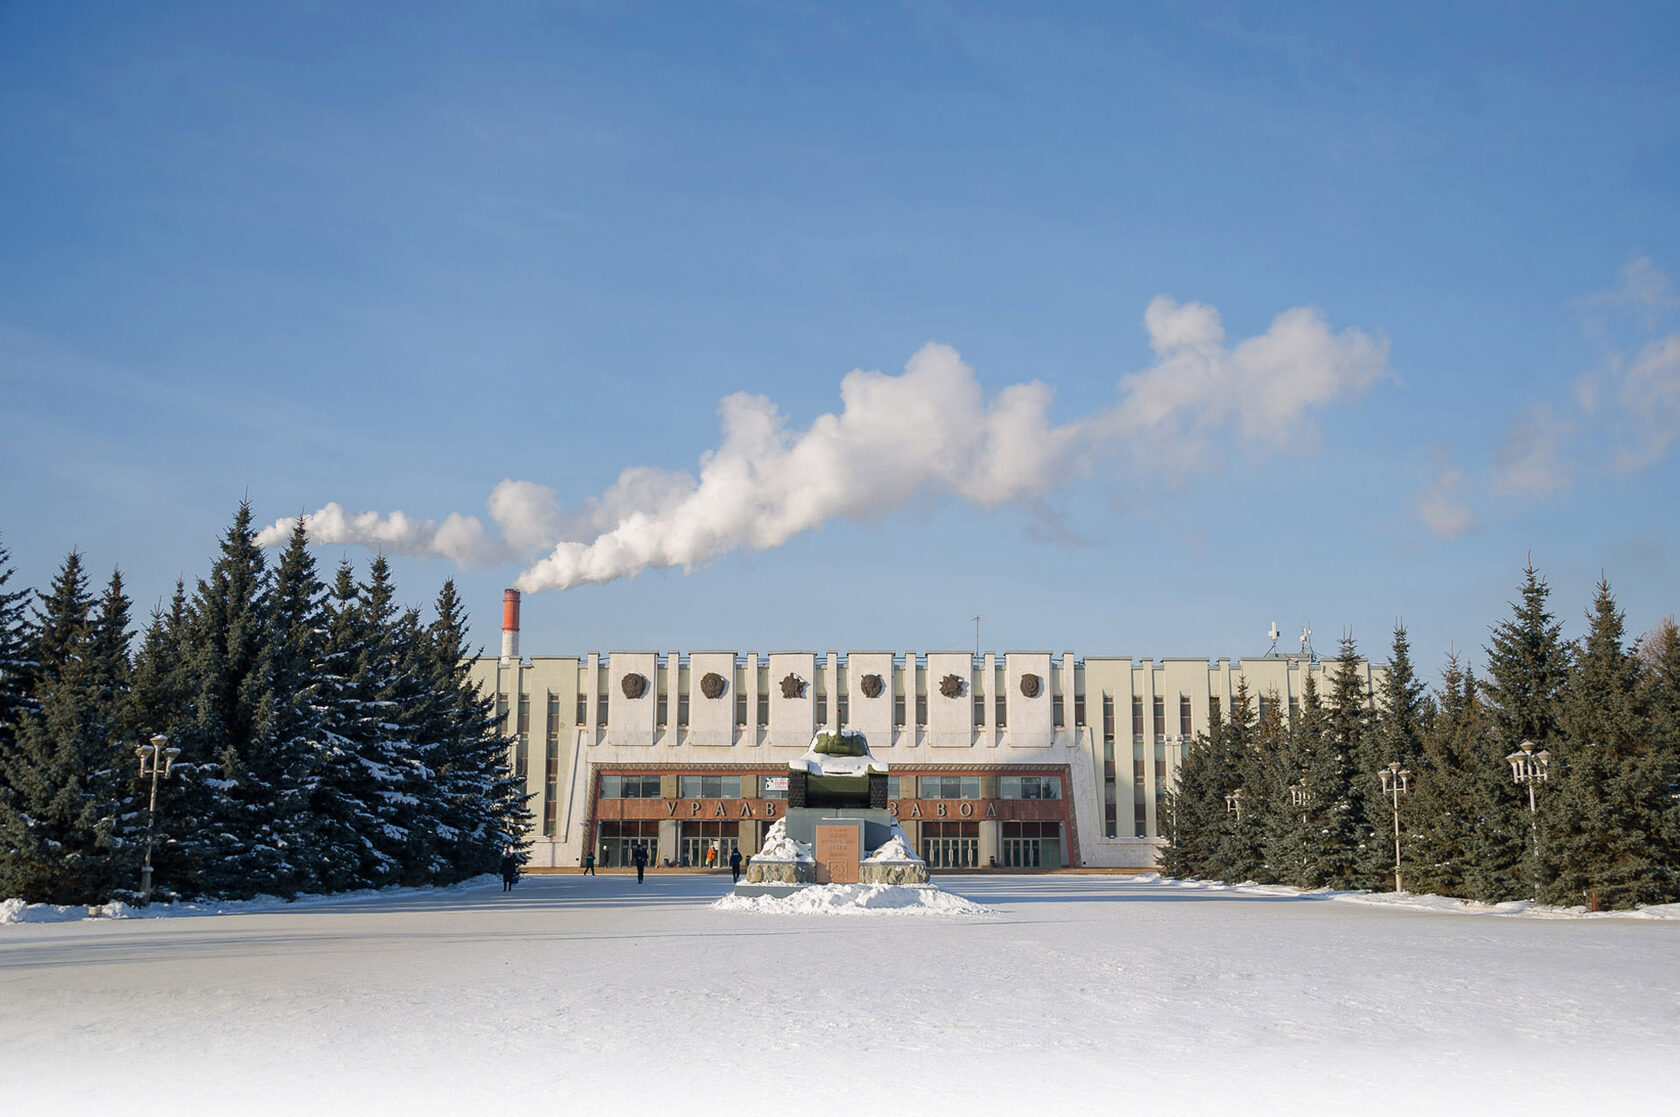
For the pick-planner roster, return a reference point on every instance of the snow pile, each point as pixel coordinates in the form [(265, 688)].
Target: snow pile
[(779, 847), (1406, 901), (857, 899), (21, 911), (896, 848)]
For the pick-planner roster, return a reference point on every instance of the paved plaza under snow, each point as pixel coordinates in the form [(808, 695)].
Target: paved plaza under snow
[(1135, 995)]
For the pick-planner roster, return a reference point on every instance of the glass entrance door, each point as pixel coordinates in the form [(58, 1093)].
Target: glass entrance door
[(1032, 845), (702, 840), (951, 845)]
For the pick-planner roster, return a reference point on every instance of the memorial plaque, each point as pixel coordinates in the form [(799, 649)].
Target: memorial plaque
[(839, 849)]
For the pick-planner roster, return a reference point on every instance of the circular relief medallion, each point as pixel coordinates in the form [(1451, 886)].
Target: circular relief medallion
[(871, 686), (951, 686), (1030, 685), (634, 685), (712, 684), (792, 686)]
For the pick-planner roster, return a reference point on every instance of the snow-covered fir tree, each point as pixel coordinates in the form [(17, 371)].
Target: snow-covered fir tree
[(1442, 810), (480, 806), (1528, 665), (66, 790), (1607, 804)]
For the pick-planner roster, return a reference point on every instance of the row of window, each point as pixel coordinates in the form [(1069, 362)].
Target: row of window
[(1000, 711), (729, 787)]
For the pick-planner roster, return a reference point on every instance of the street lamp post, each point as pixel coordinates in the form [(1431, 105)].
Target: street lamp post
[(1529, 767), (1233, 803), (156, 759), (1396, 781), (1298, 793)]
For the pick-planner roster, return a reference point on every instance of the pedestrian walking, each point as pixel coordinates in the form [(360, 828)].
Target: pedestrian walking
[(641, 862), (735, 865), (510, 870), (589, 864)]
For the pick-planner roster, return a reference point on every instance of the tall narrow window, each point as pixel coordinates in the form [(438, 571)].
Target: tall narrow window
[(551, 778), (1001, 708), (1160, 712), (522, 749), (979, 708), (583, 708), (1137, 718), (898, 710), (1213, 711), (740, 706), (1184, 714), (763, 708), (682, 708), (661, 708), (921, 709), (1056, 715), (1078, 709), (1108, 720)]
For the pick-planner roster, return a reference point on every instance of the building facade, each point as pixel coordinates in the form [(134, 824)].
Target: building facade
[(1021, 760)]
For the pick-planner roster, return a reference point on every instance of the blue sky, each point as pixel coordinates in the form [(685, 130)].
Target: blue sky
[(392, 257)]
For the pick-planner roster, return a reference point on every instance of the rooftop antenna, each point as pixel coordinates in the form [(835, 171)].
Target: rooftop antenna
[(977, 636), (1306, 643), (1273, 633)]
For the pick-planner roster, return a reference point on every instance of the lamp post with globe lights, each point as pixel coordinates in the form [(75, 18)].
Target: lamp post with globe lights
[(157, 757), (1529, 766), (1396, 781)]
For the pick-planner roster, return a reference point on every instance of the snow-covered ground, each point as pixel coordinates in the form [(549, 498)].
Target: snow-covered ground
[(576, 993)]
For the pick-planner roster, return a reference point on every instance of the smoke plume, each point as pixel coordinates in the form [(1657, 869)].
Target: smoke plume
[(927, 431)]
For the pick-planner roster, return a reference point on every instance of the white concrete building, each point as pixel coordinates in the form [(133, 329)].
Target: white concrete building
[(1016, 760)]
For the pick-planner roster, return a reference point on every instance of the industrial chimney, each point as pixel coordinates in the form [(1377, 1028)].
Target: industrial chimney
[(510, 627)]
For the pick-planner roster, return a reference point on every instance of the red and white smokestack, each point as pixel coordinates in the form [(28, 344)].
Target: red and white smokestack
[(510, 626)]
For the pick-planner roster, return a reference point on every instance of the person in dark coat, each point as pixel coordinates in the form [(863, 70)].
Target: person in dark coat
[(589, 864), (735, 865), (641, 862), (510, 870)]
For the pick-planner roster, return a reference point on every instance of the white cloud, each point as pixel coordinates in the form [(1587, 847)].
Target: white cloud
[(928, 430), (1649, 396), (1264, 388), (1531, 461), (1442, 506), (1642, 289)]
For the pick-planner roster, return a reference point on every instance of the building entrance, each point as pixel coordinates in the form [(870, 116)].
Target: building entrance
[(719, 839), (951, 845), (1032, 845), (619, 840)]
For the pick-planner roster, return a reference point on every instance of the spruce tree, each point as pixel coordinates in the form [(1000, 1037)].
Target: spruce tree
[(160, 701), (1289, 844), (1195, 814), (1394, 736), (1528, 664), (16, 659), (1241, 837), (1660, 654), (343, 799), (480, 807), (62, 808), (1602, 824), (226, 792), (1443, 809), (298, 625), (1333, 819)]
